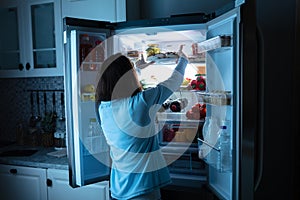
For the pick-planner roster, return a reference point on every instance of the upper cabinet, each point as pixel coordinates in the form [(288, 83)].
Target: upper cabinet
[(104, 10), (31, 38)]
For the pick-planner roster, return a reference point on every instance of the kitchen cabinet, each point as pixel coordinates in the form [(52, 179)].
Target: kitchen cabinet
[(31, 38), (26, 183), (59, 188), (29, 183), (104, 10)]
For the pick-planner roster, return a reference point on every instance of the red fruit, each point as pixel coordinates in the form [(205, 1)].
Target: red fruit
[(201, 85), (196, 115), (189, 114), (168, 135), (200, 78), (193, 84), (196, 107), (202, 113)]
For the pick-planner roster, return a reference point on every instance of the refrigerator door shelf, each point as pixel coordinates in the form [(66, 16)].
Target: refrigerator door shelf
[(213, 156), (214, 43), (216, 98)]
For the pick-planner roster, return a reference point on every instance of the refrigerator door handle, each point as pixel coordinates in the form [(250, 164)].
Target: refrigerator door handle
[(260, 130)]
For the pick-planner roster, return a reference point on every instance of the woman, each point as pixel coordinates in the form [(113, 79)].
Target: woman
[(126, 114)]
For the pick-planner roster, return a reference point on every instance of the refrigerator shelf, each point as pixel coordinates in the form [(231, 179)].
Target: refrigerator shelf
[(90, 66), (88, 97), (171, 117)]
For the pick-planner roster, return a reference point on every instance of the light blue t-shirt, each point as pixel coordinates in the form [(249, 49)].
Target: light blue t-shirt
[(138, 167)]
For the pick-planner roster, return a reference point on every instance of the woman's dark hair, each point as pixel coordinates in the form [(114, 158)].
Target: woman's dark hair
[(117, 79)]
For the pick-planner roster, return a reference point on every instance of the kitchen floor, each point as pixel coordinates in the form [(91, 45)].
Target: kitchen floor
[(179, 193)]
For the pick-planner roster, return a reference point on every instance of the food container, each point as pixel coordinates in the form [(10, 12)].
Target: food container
[(59, 140)]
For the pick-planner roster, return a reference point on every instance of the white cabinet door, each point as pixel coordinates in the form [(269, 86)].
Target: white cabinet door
[(104, 10), (59, 189), (31, 38), (22, 183)]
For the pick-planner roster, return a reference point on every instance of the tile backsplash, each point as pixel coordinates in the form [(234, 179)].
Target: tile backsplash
[(15, 107)]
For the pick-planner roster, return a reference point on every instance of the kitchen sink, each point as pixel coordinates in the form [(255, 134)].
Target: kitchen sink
[(18, 152)]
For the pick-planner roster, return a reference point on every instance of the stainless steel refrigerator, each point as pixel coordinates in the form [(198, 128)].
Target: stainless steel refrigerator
[(225, 44)]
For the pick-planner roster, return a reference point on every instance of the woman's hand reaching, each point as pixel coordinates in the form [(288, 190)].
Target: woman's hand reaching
[(141, 64), (181, 53)]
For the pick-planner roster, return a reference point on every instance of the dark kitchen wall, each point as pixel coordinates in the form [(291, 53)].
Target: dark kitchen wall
[(145, 9), (15, 101)]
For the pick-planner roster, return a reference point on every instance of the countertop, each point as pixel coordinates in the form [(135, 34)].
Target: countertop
[(39, 159)]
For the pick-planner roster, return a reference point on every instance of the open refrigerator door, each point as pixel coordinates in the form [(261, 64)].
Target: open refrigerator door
[(88, 152)]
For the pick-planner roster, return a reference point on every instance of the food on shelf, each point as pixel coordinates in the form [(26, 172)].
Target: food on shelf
[(152, 50), (89, 88), (88, 93), (154, 53), (88, 97), (186, 82), (163, 56), (133, 54), (180, 136), (168, 134), (199, 83), (197, 112), (165, 105), (178, 104), (172, 134)]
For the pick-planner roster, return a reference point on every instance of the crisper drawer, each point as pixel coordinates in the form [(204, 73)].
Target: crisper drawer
[(181, 133), (178, 140)]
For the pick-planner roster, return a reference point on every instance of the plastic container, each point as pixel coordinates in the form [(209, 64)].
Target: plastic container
[(208, 146), (94, 128)]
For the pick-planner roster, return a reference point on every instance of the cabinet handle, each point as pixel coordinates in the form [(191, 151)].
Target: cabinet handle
[(13, 171), (49, 182), (21, 66), (27, 66)]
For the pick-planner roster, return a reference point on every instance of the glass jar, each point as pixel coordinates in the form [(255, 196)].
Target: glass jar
[(59, 140)]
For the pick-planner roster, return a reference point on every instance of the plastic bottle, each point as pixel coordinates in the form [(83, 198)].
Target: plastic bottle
[(92, 127), (205, 129), (85, 46), (203, 148), (98, 51), (96, 56), (178, 104), (212, 139), (225, 156)]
